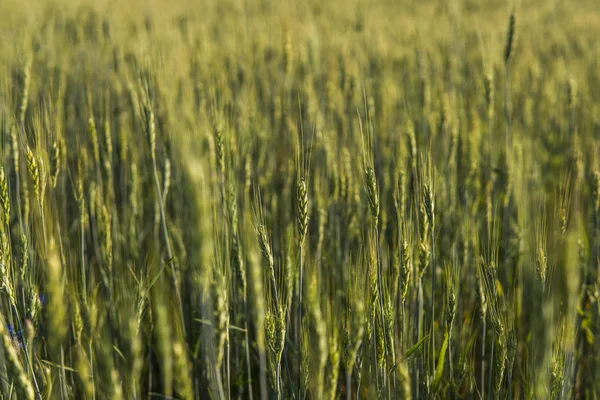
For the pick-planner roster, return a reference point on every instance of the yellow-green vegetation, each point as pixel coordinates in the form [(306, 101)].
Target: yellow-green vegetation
[(251, 199)]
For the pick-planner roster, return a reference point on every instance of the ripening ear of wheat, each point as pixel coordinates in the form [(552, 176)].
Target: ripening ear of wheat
[(4, 200)]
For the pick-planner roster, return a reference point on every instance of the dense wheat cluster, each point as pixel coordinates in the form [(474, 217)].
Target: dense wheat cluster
[(246, 199)]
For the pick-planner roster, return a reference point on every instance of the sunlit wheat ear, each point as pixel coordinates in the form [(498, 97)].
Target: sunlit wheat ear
[(302, 209), (117, 390), (167, 179), (542, 261), (333, 368), (14, 146), (25, 93), (428, 201), (265, 245), (6, 282), (56, 299), (373, 195), (135, 342), (82, 364), (405, 271), (400, 198), (162, 332), (77, 321), (305, 365), (107, 250), (219, 146), (150, 130), (34, 172), (237, 261), (108, 144), (43, 180), (4, 200), (412, 146), (221, 315), (94, 138), (270, 340), (389, 329), (183, 382), (450, 311), (55, 161), (24, 256)]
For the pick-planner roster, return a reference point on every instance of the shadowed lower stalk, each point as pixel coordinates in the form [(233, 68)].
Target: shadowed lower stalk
[(490, 390), (348, 386), (386, 350), (483, 358), (247, 349), (508, 54), (15, 158), (429, 204), (489, 91), (302, 222), (151, 132), (277, 341), (373, 197), (299, 333)]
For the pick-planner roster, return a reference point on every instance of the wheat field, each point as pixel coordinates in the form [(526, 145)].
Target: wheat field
[(247, 199)]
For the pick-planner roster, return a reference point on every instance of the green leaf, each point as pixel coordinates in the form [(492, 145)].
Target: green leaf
[(416, 346), (439, 370)]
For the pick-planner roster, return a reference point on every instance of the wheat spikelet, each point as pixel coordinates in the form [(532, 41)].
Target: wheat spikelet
[(4, 199), (14, 145), (302, 210), (373, 195), (43, 180), (264, 244), (183, 382), (162, 332), (55, 160), (333, 368), (16, 373), (34, 172), (221, 315), (167, 179), (25, 92), (405, 271), (510, 40), (219, 147), (85, 376), (94, 138), (150, 130)]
